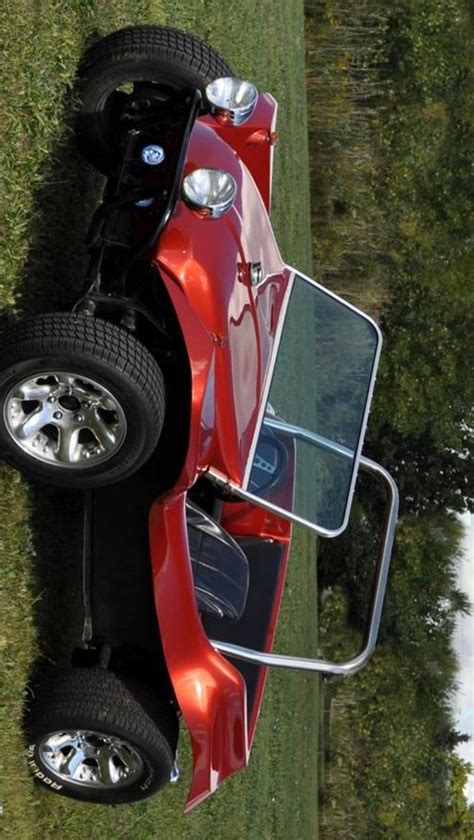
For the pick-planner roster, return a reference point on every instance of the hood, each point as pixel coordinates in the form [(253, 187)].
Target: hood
[(211, 262)]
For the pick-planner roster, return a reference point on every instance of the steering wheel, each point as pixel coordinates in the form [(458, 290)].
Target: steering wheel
[(270, 464)]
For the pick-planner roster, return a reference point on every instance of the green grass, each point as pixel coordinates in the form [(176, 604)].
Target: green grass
[(46, 199)]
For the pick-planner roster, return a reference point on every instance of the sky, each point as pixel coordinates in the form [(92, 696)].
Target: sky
[(464, 646)]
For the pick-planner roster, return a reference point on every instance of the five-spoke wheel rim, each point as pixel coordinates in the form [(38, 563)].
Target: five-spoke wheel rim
[(65, 419), (91, 759)]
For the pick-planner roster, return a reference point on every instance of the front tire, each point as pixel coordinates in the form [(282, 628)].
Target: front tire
[(82, 402), (162, 56), (90, 738)]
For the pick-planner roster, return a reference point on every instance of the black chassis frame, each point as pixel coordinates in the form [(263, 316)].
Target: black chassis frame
[(123, 236), (119, 621)]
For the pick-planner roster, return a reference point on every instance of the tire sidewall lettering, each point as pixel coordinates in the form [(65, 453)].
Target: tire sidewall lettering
[(148, 781), (72, 699), (38, 774)]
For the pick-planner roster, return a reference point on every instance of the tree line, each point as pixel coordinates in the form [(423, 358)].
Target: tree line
[(390, 97)]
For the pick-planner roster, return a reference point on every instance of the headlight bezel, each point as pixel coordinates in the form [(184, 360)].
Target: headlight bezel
[(214, 199), (231, 101)]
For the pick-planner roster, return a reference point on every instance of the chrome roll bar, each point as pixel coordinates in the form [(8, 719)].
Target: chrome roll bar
[(324, 666)]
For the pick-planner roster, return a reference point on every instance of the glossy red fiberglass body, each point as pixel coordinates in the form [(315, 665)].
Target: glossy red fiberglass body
[(229, 327)]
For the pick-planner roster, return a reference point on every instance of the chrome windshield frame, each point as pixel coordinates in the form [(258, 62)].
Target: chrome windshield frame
[(322, 666), (242, 490)]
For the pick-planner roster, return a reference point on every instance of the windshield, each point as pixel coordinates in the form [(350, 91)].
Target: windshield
[(312, 431)]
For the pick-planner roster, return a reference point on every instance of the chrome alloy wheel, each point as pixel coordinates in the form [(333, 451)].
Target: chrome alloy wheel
[(64, 419), (91, 759)]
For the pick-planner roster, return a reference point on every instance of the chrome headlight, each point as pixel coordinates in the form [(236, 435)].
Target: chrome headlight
[(232, 100), (212, 191)]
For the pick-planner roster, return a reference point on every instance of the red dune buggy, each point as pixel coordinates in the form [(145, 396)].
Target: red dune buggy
[(204, 396)]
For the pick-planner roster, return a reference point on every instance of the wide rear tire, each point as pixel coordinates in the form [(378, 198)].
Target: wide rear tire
[(90, 738)]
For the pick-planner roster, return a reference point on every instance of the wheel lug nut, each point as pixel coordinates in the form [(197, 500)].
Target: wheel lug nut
[(57, 415), (78, 418), (51, 398)]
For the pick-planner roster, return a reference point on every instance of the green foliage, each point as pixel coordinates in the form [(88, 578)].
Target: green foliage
[(391, 117), (458, 821), (391, 733), (429, 478), (392, 141)]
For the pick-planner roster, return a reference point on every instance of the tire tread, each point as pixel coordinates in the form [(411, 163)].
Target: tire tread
[(99, 698), (95, 340), (173, 44)]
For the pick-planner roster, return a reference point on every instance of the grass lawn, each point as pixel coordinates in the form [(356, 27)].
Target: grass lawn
[(46, 199)]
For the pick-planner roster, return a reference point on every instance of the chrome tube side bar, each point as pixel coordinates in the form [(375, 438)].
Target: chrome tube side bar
[(378, 594)]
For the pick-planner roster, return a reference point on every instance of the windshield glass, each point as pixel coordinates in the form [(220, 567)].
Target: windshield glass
[(310, 439)]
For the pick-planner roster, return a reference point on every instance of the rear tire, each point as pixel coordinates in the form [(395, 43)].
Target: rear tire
[(154, 54), (90, 738)]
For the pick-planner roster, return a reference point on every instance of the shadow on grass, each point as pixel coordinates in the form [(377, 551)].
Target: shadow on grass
[(52, 279)]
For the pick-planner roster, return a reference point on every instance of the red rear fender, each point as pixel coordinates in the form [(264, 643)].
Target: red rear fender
[(210, 692)]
